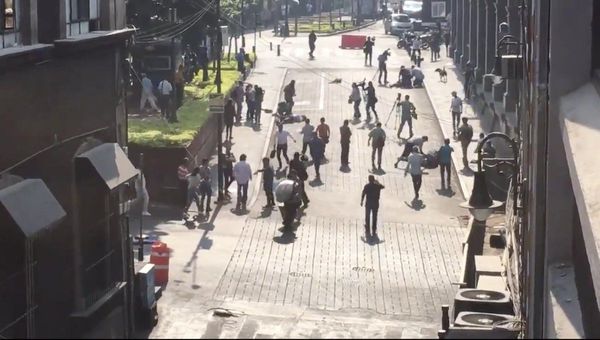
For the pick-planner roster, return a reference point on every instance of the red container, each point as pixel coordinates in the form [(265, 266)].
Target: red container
[(159, 256), (353, 41)]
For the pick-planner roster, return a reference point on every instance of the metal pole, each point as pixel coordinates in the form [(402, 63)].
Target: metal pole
[(287, 24), (219, 47), (255, 26), (141, 248), (242, 23), (220, 197)]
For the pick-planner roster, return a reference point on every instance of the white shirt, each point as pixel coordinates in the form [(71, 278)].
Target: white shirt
[(456, 104), (414, 164), (282, 137), (193, 181), (165, 88), (418, 141), (147, 85), (242, 172)]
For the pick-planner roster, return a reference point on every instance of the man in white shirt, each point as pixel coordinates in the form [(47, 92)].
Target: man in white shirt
[(140, 188), (456, 107), (417, 141), (282, 138), (164, 92), (414, 168), (243, 175), (147, 94), (307, 135)]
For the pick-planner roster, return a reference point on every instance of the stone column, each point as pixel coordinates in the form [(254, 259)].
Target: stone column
[(499, 86), (491, 27), (452, 28), (458, 31), (512, 85), (466, 15), (480, 70), (472, 57)]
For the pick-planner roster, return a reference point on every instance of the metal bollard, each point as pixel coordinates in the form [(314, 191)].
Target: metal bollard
[(254, 49), (278, 50), (445, 317), (441, 334), (271, 45)]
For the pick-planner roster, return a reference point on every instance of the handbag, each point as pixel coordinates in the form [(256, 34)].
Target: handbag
[(350, 100)]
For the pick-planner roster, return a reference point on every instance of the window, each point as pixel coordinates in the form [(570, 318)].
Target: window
[(8, 14), (80, 10), (157, 63), (438, 9)]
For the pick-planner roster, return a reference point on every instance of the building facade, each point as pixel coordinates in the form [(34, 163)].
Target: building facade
[(66, 268), (548, 99)]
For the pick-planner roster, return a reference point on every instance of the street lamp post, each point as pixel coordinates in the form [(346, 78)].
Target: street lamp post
[(141, 240), (216, 109), (242, 23), (286, 26)]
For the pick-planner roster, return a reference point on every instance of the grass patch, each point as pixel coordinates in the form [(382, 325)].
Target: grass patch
[(153, 131), (325, 27), (231, 64)]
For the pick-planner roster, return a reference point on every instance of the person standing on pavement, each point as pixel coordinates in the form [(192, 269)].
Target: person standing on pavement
[(240, 58), (317, 152), (382, 59), (282, 146), (378, 137), (268, 178), (415, 168), (408, 110), (355, 98), (228, 117), (307, 135), (228, 158), (447, 42), (456, 107), (445, 160), (289, 92), (182, 171), (250, 99), (312, 38), (416, 48), (297, 165), (417, 141), (465, 135), (287, 194), (469, 78), (259, 96), (323, 132), (193, 182), (242, 172), (345, 135), (205, 187), (371, 100), (368, 50), (147, 94), (371, 192), (164, 100), (238, 96)]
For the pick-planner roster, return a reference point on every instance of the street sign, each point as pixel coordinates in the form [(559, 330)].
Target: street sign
[(215, 104)]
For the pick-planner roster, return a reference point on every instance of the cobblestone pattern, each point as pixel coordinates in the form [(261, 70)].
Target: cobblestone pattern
[(330, 266)]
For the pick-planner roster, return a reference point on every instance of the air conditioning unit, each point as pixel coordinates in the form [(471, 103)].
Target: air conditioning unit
[(477, 319), (482, 300)]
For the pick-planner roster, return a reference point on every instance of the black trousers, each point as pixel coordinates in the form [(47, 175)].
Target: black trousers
[(303, 194), (369, 55), (405, 121), (345, 151), (312, 48), (379, 150), (445, 168), (269, 194), (371, 106), (382, 70), (304, 147), (282, 148), (228, 131), (417, 181), (455, 120), (371, 213), (357, 108)]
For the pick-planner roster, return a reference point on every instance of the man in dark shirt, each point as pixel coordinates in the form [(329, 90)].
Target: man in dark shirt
[(268, 177), (345, 135), (312, 38), (465, 135), (371, 191), (298, 166), (368, 50), (469, 77)]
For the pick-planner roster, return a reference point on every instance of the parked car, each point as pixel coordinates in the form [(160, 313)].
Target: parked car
[(399, 24)]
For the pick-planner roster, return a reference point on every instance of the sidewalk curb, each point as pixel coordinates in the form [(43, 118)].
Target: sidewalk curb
[(463, 186), (267, 144), (348, 30)]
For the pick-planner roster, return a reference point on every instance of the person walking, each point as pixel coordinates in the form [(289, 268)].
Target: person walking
[(445, 160), (469, 78), (242, 172), (238, 97), (250, 99), (372, 192), (240, 58), (465, 135), (368, 50), (456, 107), (147, 94), (323, 132), (164, 100), (415, 168), (417, 141), (228, 118), (268, 178), (228, 158), (259, 96), (447, 42), (141, 191), (179, 80), (378, 137), (282, 146), (287, 194), (355, 98), (408, 110), (307, 135), (289, 92), (371, 100), (345, 135), (317, 152), (382, 59), (312, 38), (193, 182), (416, 48), (205, 187), (297, 165), (182, 172)]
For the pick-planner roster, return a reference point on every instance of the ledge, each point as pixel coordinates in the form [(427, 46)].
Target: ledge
[(92, 40), (563, 312), (22, 55), (580, 124)]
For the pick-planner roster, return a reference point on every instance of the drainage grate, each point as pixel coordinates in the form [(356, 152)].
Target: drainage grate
[(363, 269), (298, 274)]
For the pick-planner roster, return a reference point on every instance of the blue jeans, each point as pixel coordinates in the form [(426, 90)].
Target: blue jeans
[(242, 194)]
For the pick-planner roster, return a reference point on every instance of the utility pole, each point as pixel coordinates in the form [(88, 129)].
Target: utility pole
[(219, 46), (220, 113), (243, 28), (287, 25)]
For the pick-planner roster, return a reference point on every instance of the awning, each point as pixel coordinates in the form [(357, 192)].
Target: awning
[(31, 206), (111, 164)]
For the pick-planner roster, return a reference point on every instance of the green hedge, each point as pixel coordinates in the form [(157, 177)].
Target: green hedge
[(153, 131)]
